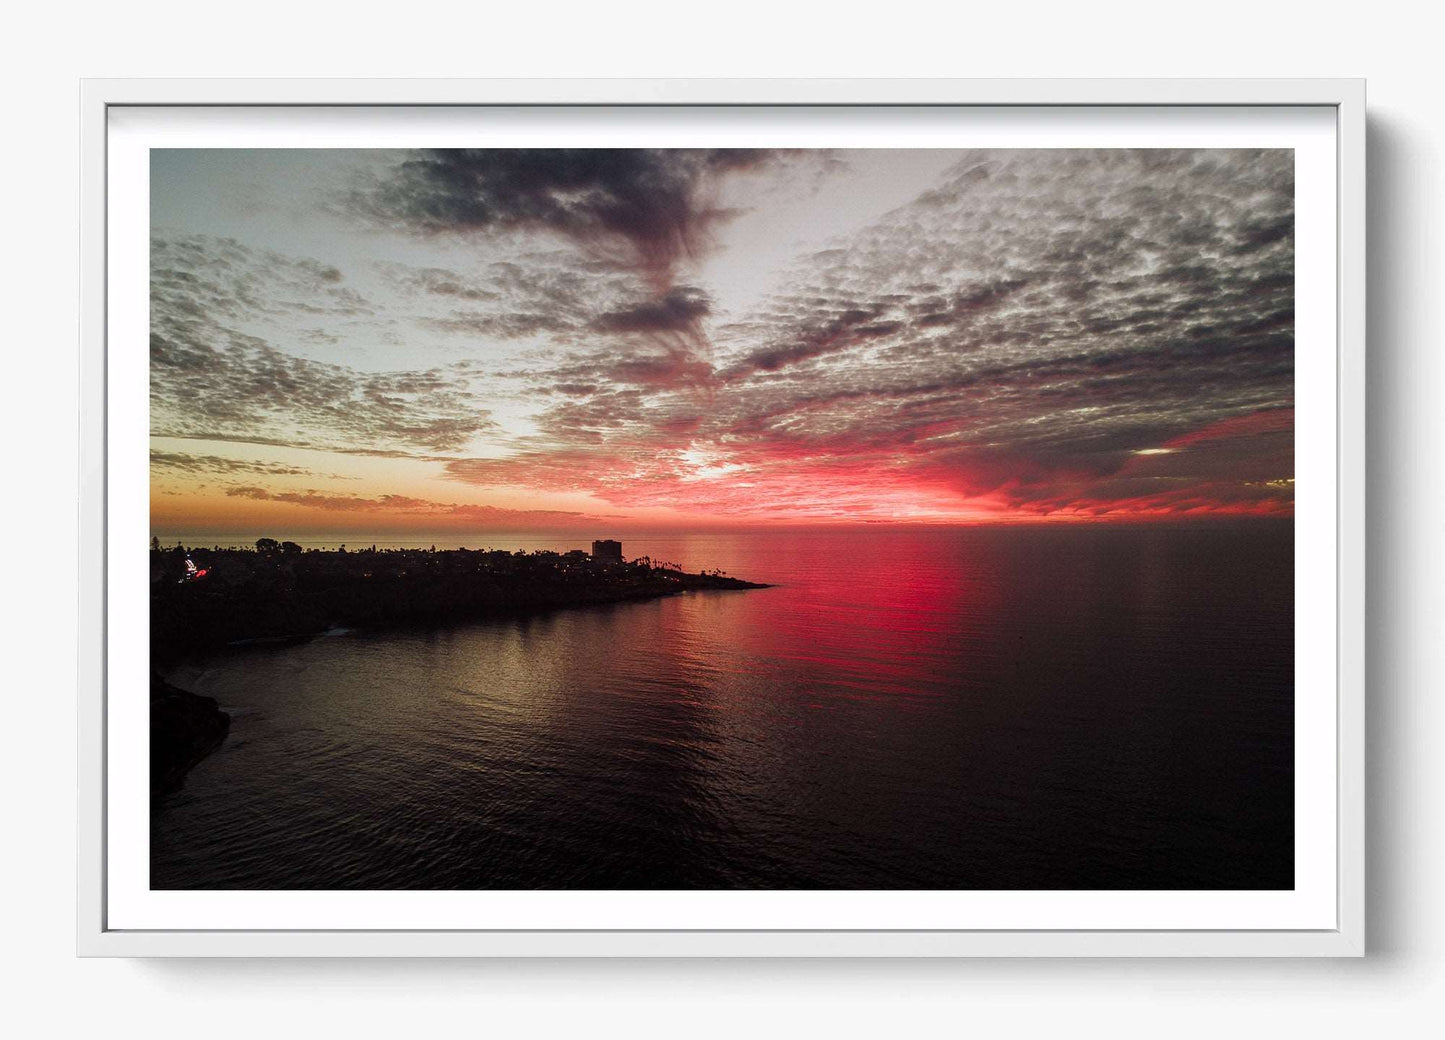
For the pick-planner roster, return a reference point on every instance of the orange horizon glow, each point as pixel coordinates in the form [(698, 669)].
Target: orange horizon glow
[(919, 500)]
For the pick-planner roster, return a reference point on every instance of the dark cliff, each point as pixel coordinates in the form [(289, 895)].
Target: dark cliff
[(185, 728)]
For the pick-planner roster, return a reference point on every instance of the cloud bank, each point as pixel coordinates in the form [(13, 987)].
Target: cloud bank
[(1060, 333)]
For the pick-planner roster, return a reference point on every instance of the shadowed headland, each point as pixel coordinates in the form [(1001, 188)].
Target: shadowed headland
[(206, 599)]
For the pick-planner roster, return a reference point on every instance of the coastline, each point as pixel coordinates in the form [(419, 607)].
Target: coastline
[(246, 597), (250, 598), (185, 727)]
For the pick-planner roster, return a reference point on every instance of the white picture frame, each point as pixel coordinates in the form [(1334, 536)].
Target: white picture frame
[(96, 934)]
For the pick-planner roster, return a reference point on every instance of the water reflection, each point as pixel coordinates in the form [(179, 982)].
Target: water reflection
[(1044, 708)]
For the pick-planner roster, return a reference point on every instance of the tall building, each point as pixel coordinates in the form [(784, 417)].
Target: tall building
[(607, 549)]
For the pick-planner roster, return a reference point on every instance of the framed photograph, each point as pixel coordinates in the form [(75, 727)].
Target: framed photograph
[(722, 518)]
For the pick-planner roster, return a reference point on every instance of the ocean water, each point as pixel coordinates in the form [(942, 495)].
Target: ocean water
[(1044, 707)]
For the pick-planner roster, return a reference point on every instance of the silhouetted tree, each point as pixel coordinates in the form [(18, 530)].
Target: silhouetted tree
[(267, 545)]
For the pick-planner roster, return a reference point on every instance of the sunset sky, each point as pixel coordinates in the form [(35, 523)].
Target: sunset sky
[(362, 341)]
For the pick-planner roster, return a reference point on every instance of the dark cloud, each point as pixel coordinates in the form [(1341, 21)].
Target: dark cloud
[(679, 310), (1014, 336), (652, 343), (646, 207), (214, 464), (828, 327)]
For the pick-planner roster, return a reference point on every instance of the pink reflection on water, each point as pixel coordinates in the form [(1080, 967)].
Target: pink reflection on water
[(856, 617)]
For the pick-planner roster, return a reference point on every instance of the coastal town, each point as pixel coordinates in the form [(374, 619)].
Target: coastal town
[(207, 598)]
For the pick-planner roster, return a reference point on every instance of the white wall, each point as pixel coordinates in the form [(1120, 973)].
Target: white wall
[(1390, 42)]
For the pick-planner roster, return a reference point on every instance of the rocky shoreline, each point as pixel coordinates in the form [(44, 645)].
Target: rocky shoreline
[(245, 596), (185, 727), (205, 600)]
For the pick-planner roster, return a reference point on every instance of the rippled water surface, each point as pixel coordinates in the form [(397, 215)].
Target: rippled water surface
[(1042, 707)]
